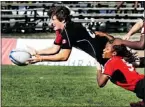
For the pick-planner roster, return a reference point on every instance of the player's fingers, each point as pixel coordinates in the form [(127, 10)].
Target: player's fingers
[(33, 60), (31, 50), (124, 38), (127, 38), (29, 61)]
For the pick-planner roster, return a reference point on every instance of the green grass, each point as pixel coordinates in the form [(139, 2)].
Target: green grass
[(59, 86)]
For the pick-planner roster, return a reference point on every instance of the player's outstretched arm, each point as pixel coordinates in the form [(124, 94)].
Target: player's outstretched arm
[(63, 55), (134, 29), (51, 50), (138, 45), (48, 51), (110, 37)]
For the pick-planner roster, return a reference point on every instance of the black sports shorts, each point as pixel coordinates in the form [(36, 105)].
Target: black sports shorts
[(140, 89)]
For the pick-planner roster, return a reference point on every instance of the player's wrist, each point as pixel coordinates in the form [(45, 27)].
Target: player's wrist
[(41, 59), (129, 34)]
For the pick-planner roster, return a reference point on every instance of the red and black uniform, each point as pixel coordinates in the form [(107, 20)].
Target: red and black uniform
[(75, 35), (124, 75)]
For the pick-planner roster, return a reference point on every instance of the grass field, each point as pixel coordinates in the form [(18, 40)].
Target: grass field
[(59, 86)]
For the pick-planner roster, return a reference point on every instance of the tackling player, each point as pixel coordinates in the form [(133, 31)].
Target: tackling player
[(138, 45), (120, 71)]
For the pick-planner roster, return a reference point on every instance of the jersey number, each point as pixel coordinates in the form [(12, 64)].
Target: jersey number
[(130, 67)]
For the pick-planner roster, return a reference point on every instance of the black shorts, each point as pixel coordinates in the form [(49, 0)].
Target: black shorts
[(140, 89), (142, 62)]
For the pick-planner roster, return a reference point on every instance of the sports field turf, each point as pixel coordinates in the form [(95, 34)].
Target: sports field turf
[(59, 86)]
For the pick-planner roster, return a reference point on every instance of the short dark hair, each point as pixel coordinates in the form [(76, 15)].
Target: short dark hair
[(51, 9), (61, 12)]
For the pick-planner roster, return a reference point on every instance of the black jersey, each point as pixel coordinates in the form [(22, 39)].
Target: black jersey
[(75, 35)]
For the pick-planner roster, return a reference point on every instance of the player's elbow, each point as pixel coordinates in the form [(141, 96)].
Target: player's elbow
[(101, 85), (64, 59), (140, 45), (64, 54)]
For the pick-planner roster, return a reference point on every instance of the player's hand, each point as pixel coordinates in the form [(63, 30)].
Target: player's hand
[(100, 33), (98, 66), (32, 51), (35, 59), (126, 37)]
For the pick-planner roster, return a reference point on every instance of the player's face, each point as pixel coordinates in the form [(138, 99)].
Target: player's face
[(56, 23), (108, 51)]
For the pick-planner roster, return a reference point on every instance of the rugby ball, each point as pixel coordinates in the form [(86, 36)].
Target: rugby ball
[(19, 56)]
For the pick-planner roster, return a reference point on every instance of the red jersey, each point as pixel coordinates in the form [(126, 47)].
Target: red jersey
[(122, 73)]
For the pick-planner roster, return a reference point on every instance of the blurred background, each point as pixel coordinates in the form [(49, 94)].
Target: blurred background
[(108, 16), (23, 20)]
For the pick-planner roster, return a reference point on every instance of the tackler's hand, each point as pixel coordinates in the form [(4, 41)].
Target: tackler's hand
[(126, 37)]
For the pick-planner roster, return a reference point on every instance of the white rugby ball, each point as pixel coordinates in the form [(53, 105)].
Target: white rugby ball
[(19, 57)]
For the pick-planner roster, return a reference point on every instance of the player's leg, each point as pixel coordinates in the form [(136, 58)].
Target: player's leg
[(140, 92), (142, 62)]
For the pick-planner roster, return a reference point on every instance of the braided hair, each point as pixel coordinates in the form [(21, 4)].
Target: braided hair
[(122, 51)]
